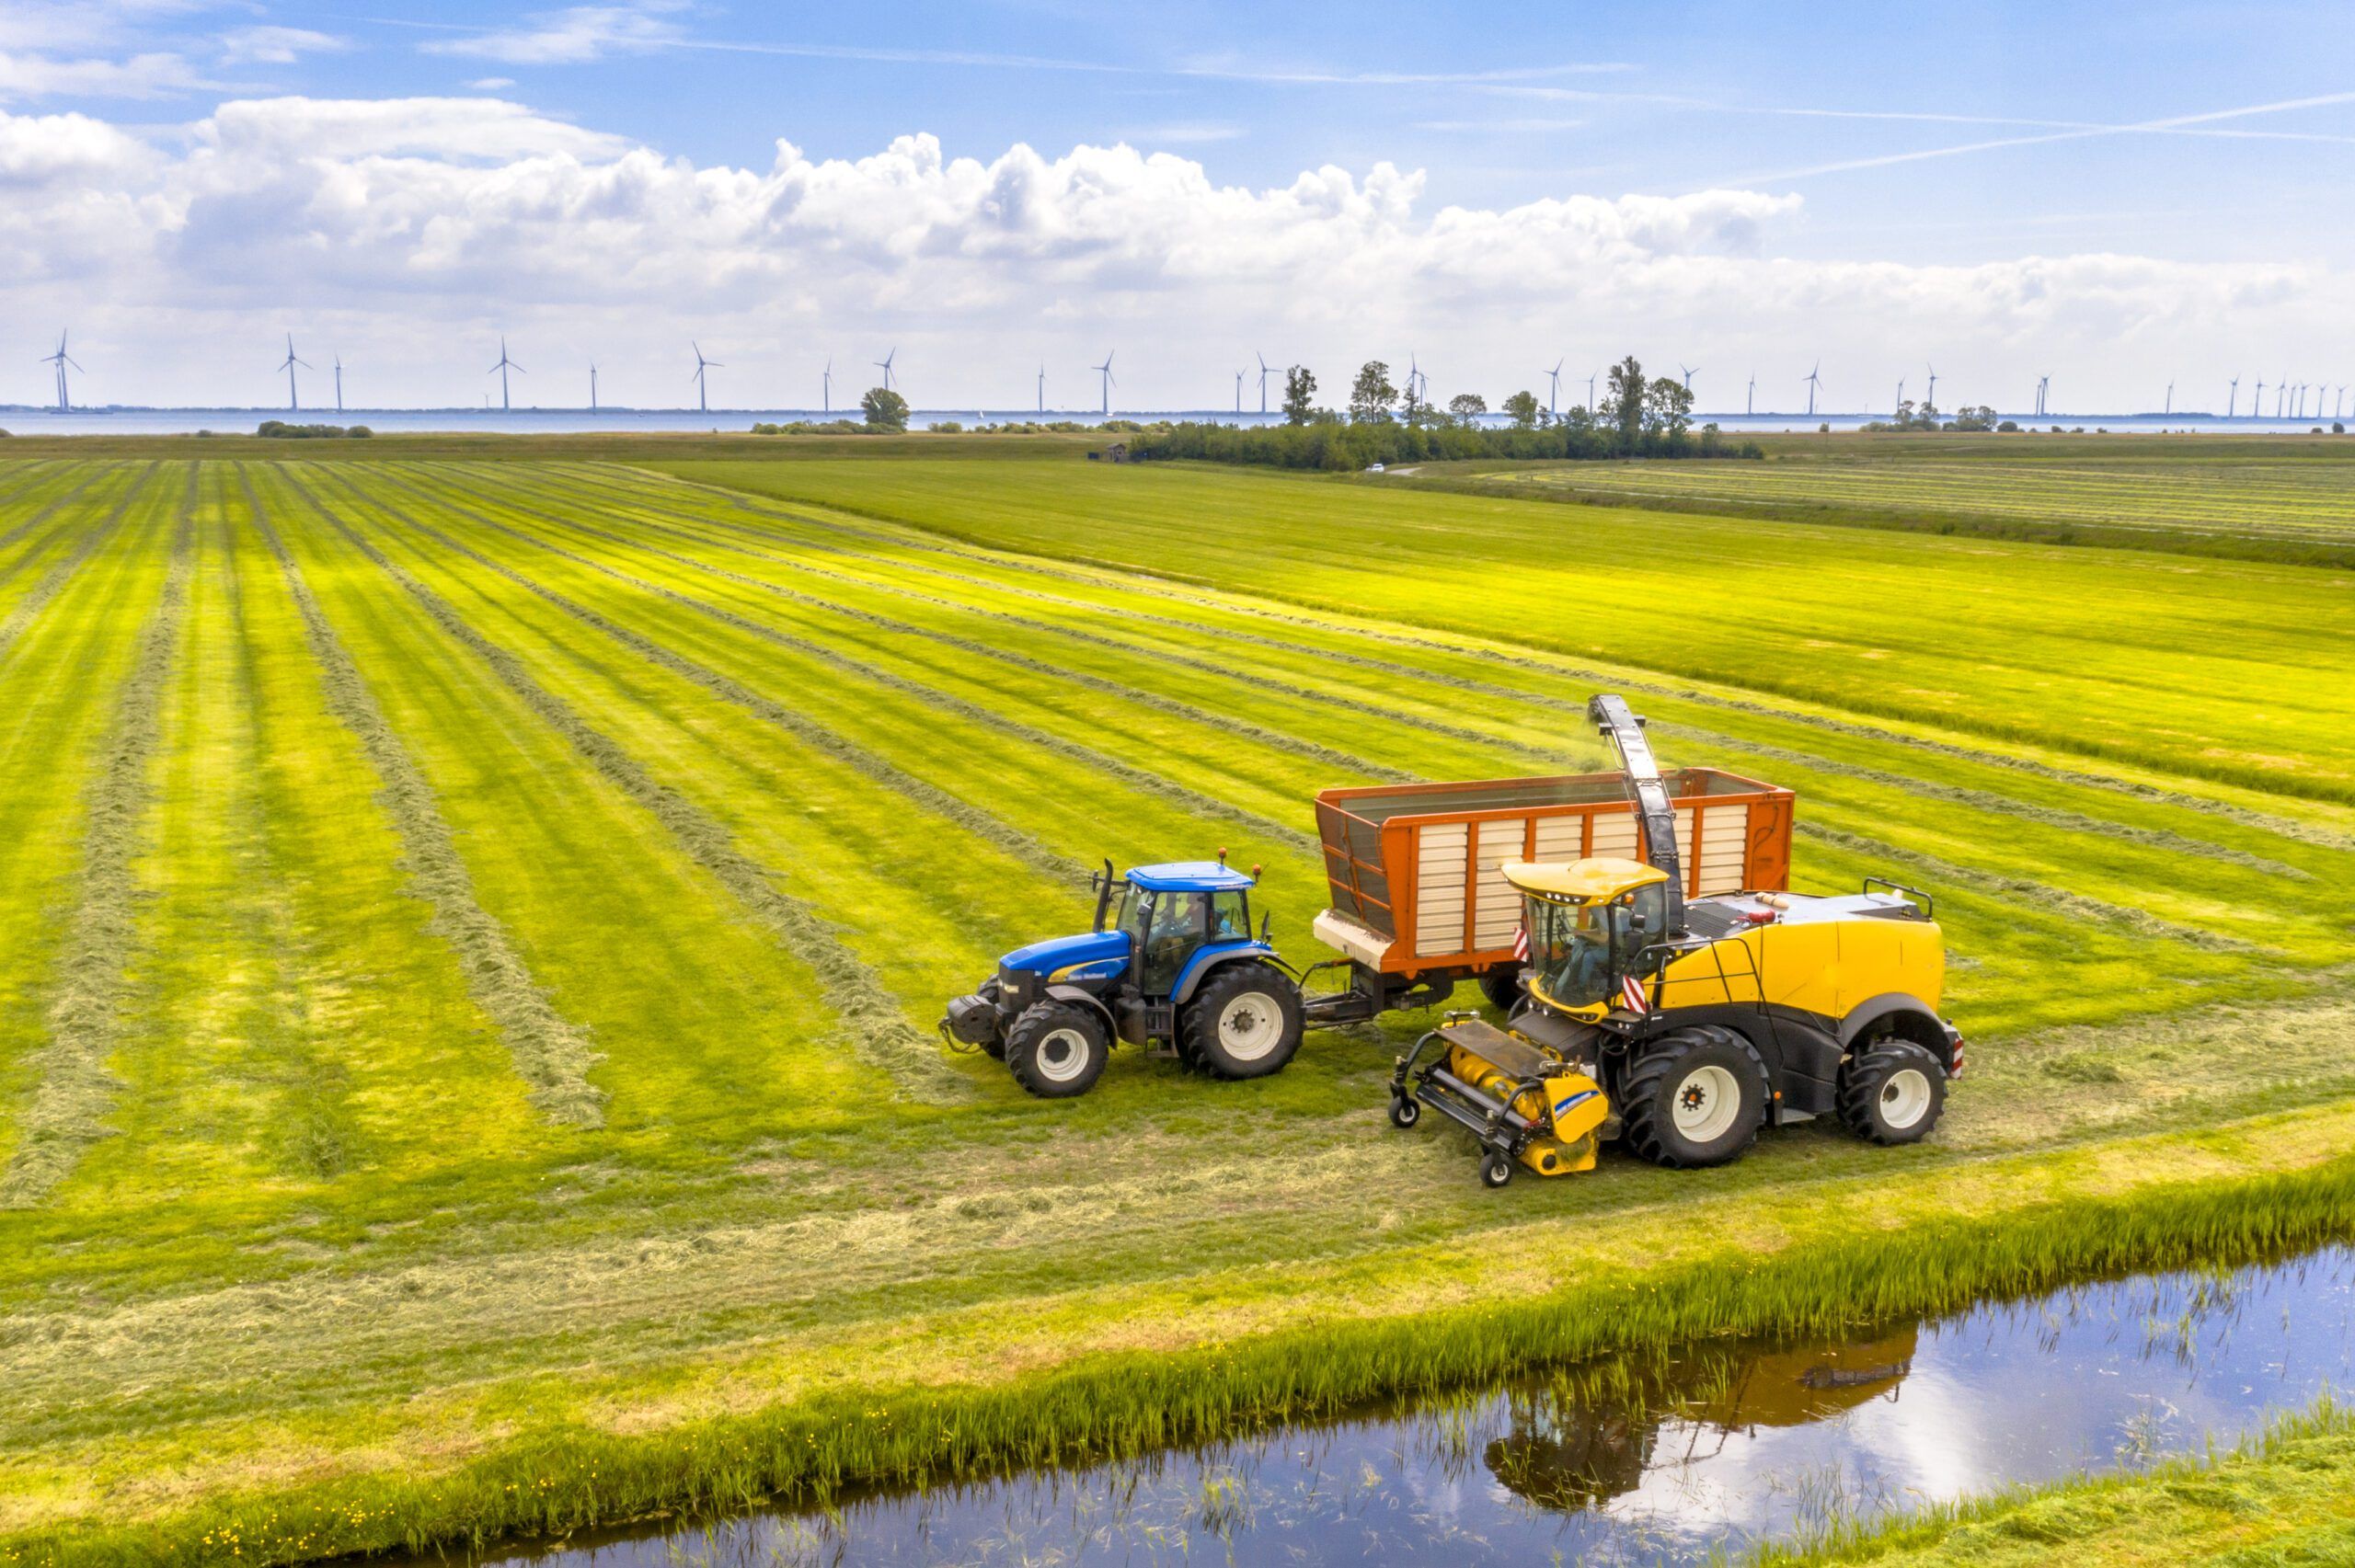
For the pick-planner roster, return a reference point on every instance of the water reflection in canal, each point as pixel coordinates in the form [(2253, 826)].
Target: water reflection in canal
[(1659, 1459)]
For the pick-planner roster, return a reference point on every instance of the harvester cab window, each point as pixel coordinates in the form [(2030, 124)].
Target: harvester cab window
[(1575, 950), (1230, 917)]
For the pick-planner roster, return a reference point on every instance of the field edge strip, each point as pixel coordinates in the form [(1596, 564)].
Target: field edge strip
[(1113, 1404)]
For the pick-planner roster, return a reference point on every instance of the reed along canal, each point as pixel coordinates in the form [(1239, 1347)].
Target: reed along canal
[(1666, 1458)]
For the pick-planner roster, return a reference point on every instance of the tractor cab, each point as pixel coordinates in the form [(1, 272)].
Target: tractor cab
[(1172, 965)]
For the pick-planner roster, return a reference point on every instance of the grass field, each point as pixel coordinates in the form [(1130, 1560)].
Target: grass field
[(475, 921)]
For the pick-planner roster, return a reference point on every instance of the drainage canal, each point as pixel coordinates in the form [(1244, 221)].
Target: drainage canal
[(1667, 1457)]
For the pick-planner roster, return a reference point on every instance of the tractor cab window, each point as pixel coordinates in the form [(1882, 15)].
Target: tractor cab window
[(1135, 914), (1230, 917), (1177, 926)]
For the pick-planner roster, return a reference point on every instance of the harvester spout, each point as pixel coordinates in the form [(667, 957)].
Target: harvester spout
[(1655, 816)]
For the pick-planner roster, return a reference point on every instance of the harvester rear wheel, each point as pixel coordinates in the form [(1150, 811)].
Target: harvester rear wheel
[(1696, 1097), (1245, 1022), (1892, 1092), (1056, 1050)]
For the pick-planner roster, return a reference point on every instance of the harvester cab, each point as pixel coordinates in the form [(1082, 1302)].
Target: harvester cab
[(1172, 965), (1683, 1025)]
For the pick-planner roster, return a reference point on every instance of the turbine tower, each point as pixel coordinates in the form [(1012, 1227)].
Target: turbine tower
[(61, 359), (2166, 409), (1105, 370), (1554, 393), (703, 403), (2043, 385), (1042, 389), (338, 384), (826, 387), (1813, 380), (1749, 397), (1688, 371), (2281, 397), (293, 404), (1930, 398), (592, 386), (2231, 396), (1239, 389), (1900, 392), (2257, 403), (501, 369), (884, 364), (1591, 379), (1263, 382)]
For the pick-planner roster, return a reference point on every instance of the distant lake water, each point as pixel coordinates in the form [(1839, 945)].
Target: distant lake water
[(560, 421)]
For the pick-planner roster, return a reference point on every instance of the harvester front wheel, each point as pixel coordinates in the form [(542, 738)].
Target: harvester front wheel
[(1892, 1092), (1496, 1169), (1501, 986), (1404, 1111), (1245, 1022), (1697, 1097), (1056, 1050)]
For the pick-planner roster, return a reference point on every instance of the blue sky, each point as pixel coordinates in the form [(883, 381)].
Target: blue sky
[(2115, 196)]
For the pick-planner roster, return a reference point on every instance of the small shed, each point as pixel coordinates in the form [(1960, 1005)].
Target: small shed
[(1117, 453)]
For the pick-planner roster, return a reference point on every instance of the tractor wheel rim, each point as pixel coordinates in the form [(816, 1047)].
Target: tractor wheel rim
[(1905, 1098), (1250, 1026), (1061, 1056), (1706, 1103)]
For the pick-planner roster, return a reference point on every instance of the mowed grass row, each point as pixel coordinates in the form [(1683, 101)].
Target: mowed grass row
[(2284, 500), (2132, 658), (2089, 877)]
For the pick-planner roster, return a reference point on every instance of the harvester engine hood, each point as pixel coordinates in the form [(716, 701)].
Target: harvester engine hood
[(1088, 950)]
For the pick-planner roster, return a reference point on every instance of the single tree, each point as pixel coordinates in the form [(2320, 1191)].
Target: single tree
[(885, 410), (1372, 395), (1300, 395), (1466, 408), (1627, 403), (1524, 410), (1668, 410)]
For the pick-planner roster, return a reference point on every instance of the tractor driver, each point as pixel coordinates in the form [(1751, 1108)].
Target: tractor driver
[(1178, 919)]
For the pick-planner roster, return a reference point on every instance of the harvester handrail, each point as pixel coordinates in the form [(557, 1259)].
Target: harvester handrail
[(1715, 947)]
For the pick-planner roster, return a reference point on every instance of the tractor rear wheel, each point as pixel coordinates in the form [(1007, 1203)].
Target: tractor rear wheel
[(1056, 1050), (1245, 1022), (1697, 1096), (1892, 1090)]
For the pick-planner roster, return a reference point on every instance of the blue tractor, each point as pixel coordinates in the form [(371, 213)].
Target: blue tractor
[(1172, 965)]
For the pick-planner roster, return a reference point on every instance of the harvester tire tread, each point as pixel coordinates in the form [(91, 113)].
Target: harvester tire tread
[(1647, 1091), (1037, 1044), (1866, 1101), (1199, 1038)]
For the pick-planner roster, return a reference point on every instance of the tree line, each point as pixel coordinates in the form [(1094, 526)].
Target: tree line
[(1641, 417)]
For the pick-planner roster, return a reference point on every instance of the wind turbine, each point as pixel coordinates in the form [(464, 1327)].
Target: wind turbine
[(2257, 403), (1900, 392), (1239, 389), (2043, 383), (1930, 398), (61, 359), (884, 364), (1554, 393), (1749, 397), (501, 369), (1418, 383), (293, 406), (2281, 397), (1688, 371), (703, 404), (826, 387), (2338, 398), (1105, 370), (592, 386), (1591, 379), (1812, 380), (338, 384), (1263, 382), (1042, 389), (2167, 409), (2232, 397)]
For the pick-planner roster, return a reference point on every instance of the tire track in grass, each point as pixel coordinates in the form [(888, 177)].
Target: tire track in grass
[(1138, 779), (873, 1021), (1177, 590), (74, 1086), (22, 614), (551, 1053), (1959, 795), (889, 775), (39, 517)]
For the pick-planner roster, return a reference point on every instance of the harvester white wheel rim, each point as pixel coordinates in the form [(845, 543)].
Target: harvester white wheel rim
[(1063, 1055), (1905, 1098), (1249, 1025), (1706, 1103)]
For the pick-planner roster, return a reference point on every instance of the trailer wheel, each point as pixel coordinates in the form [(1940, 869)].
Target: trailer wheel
[(1696, 1097), (1892, 1092), (1495, 1170), (1245, 1022), (1404, 1111), (1056, 1050), (1501, 986)]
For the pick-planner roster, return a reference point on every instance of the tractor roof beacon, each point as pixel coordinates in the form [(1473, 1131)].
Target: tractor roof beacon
[(1172, 964), (1683, 1024)]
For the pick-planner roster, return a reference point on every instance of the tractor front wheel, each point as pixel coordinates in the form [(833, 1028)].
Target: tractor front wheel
[(1056, 1050), (1696, 1097), (1892, 1092), (1245, 1022)]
